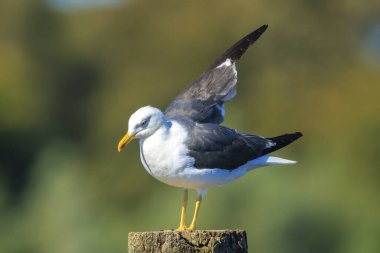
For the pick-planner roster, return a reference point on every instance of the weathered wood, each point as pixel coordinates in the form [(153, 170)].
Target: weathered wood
[(169, 241)]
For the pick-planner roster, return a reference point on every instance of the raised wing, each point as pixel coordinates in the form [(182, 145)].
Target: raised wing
[(202, 101), (215, 146)]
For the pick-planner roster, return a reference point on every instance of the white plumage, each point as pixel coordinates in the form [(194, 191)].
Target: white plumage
[(165, 156)]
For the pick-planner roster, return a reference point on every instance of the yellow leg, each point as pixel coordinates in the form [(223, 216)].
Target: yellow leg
[(182, 225), (197, 205)]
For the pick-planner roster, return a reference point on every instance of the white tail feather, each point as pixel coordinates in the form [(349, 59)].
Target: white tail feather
[(272, 160), (267, 160)]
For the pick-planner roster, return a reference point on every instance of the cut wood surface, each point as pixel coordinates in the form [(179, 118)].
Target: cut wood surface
[(171, 241)]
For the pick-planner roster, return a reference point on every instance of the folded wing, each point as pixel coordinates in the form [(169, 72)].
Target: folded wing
[(202, 101), (215, 146)]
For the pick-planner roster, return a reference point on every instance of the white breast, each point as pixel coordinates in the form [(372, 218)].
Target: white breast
[(164, 154)]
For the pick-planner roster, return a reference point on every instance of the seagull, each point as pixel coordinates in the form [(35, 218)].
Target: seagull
[(186, 146)]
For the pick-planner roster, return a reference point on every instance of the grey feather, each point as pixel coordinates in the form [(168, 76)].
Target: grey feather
[(203, 99), (215, 146)]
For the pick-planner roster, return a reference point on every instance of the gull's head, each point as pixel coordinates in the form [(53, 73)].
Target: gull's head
[(142, 124)]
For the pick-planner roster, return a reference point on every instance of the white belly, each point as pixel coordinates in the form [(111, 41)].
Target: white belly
[(164, 155)]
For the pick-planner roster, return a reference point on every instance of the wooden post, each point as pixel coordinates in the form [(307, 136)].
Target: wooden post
[(170, 241)]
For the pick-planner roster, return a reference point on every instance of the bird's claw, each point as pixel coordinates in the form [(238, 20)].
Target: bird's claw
[(185, 228), (181, 228), (191, 228)]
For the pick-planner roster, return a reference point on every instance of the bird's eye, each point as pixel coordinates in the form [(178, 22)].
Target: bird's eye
[(143, 123)]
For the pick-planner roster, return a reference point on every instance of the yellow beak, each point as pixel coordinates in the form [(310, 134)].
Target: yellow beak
[(124, 141)]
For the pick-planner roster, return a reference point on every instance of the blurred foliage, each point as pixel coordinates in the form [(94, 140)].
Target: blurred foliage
[(70, 78)]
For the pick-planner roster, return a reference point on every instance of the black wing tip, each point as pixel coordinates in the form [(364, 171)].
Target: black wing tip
[(262, 28), (282, 141), (235, 52), (291, 137), (238, 49)]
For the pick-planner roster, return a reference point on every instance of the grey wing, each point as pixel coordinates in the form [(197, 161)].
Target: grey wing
[(203, 99), (214, 146)]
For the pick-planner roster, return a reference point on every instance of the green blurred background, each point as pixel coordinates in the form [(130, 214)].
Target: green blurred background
[(71, 73)]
